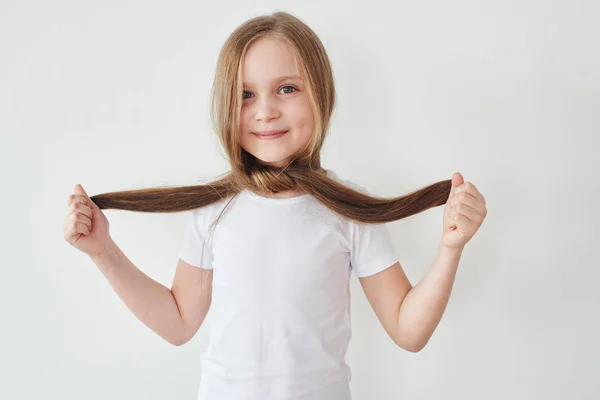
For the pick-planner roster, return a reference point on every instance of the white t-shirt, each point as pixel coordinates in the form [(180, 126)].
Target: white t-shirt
[(279, 321)]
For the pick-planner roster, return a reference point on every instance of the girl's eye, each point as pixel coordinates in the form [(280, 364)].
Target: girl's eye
[(247, 95), (291, 87)]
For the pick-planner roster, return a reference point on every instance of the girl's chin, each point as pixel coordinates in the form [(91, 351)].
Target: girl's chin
[(272, 161)]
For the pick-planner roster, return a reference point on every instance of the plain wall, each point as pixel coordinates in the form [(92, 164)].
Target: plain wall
[(114, 95)]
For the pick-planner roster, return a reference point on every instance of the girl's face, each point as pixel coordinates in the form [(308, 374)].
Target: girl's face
[(274, 99)]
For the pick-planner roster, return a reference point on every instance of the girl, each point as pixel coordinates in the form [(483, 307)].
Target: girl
[(275, 274)]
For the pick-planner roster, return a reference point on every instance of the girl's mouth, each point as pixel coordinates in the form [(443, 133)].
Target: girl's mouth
[(269, 135)]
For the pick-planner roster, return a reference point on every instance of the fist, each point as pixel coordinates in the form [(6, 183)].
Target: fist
[(464, 213), (85, 226)]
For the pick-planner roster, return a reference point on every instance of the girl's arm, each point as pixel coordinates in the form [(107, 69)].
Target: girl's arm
[(424, 305), (409, 314), (154, 304)]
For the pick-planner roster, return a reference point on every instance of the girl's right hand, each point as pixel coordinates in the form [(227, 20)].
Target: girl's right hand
[(85, 226)]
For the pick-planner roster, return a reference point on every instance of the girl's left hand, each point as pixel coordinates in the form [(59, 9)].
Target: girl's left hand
[(464, 213)]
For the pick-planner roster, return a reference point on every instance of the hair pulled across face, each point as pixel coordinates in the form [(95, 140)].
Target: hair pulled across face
[(303, 172)]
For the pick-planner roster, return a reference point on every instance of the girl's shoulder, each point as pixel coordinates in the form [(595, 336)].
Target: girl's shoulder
[(347, 182), (204, 216)]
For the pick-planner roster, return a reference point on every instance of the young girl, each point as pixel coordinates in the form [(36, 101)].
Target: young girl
[(270, 247)]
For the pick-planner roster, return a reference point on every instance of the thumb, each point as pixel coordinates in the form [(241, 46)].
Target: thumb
[(78, 189), (457, 180)]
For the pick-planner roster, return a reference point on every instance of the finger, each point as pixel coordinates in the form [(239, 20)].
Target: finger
[(78, 189), (456, 178), (80, 218), (464, 198), (462, 223), (70, 233), (469, 212), (469, 200), (73, 231), (476, 193), (81, 208), (76, 198), (82, 228), (469, 188)]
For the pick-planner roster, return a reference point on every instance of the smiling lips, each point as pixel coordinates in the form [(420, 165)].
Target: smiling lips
[(267, 135)]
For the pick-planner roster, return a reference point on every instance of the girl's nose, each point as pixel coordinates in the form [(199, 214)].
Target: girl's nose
[(266, 110)]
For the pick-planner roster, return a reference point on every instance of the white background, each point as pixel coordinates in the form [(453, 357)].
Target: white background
[(114, 95)]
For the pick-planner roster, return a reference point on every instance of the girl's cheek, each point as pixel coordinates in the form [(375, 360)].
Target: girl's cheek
[(244, 112)]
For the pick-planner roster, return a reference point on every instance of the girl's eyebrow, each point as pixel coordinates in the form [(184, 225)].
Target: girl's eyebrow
[(279, 79)]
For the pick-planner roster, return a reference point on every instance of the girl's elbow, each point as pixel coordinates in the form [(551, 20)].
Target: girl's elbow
[(414, 349), (414, 346)]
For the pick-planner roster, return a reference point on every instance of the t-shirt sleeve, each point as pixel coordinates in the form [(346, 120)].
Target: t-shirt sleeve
[(194, 248), (371, 247), (371, 250)]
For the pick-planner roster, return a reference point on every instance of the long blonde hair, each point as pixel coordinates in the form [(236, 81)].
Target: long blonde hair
[(303, 172)]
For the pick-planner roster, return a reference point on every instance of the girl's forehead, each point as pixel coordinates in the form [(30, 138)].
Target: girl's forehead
[(268, 58)]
